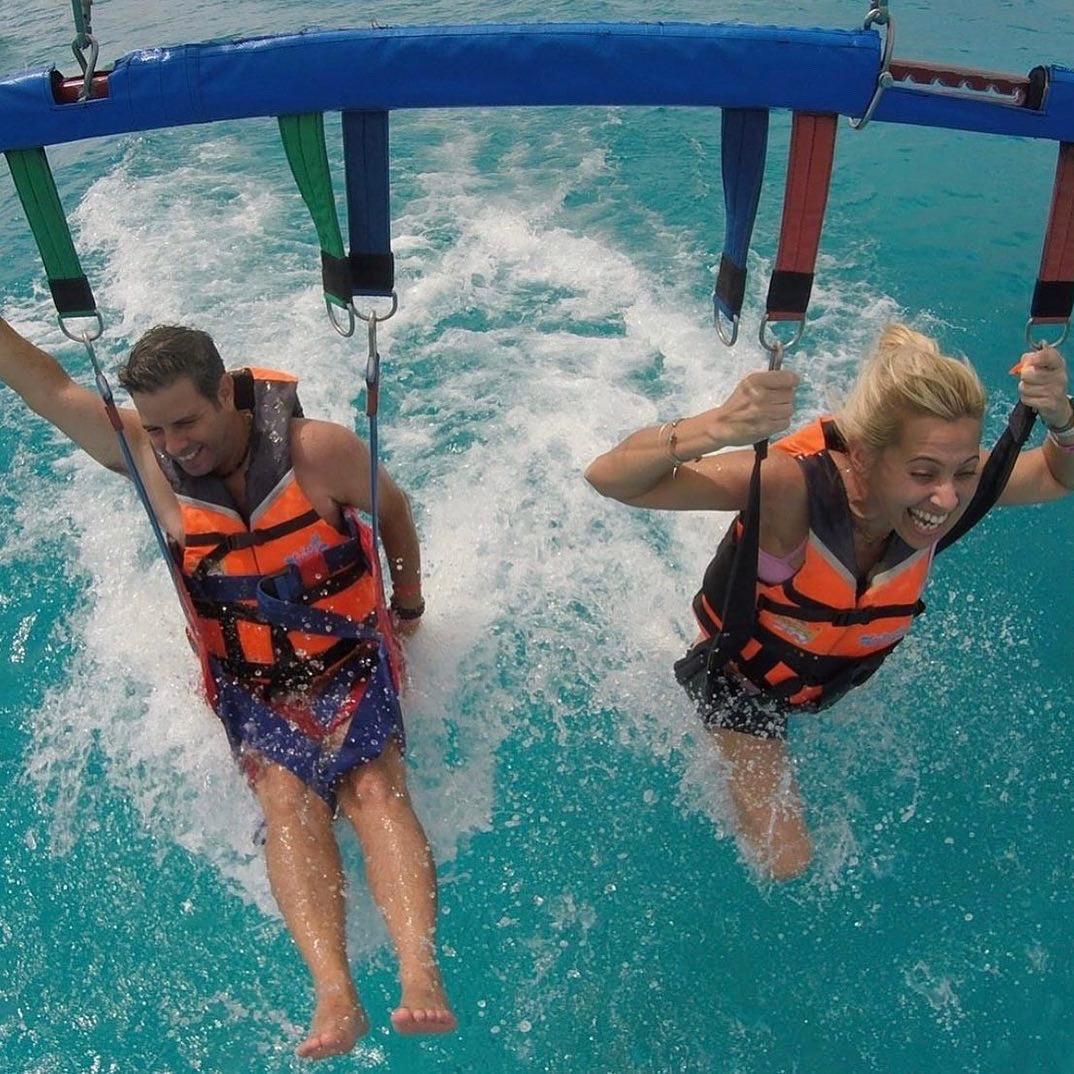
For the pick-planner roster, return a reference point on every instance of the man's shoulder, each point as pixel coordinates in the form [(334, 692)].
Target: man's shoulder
[(316, 439)]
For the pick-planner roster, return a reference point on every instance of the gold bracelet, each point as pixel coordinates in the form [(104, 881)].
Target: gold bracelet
[(670, 442)]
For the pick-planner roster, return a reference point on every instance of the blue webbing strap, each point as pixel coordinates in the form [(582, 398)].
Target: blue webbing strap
[(365, 157), (743, 145), (309, 620)]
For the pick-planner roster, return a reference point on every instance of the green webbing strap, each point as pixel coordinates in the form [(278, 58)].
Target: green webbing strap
[(304, 144), (37, 192)]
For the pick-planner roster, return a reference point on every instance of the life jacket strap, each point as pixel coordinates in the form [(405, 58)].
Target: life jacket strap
[(840, 617), (225, 543)]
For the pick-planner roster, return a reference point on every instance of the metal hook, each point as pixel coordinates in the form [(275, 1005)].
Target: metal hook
[(885, 79)]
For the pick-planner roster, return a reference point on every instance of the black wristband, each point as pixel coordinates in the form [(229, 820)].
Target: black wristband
[(1065, 428), (407, 613)]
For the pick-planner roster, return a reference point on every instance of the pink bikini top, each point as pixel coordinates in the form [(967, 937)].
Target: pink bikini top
[(772, 570)]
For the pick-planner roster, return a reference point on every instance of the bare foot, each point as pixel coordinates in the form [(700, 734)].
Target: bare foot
[(424, 1010), (414, 1020), (338, 1022)]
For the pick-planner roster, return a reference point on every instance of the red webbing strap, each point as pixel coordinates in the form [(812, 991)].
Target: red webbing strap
[(809, 175), (1053, 295)]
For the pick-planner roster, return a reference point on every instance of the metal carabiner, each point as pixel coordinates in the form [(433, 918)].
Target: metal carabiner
[(372, 368), (89, 67), (1040, 344)]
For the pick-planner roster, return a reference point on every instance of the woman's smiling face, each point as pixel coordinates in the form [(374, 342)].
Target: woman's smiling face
[(920, 486)]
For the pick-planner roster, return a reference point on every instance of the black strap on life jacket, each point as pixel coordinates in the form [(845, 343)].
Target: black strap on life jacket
[(996, 472), (223, 543), (834, 674)]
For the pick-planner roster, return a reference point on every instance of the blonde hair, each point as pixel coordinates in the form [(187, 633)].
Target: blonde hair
[(907, 376)]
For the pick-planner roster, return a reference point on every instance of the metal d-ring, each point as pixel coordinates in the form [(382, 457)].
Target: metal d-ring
[(372, 315), (331, 306), (728, 341), (83, 336), (1040, 344), (776, 344)]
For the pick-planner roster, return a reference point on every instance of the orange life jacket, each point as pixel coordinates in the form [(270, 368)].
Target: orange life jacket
[(820, 632), (282, 597)]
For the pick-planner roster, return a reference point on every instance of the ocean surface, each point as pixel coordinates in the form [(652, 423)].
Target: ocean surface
[(554, 277)]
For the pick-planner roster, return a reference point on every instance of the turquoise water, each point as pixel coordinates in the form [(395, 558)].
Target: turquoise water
[(554, 282)]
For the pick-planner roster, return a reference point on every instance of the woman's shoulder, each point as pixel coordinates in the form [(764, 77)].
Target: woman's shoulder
[(784, 504)]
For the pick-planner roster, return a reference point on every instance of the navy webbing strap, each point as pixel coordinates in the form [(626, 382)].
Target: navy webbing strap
[(37, 191), (809, 173), (1053, 295), (365, 157), (743, 145), (740, 606)]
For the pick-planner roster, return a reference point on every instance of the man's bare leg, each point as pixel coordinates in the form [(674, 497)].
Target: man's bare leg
[(768, 806), (402, 879), (306, 875)]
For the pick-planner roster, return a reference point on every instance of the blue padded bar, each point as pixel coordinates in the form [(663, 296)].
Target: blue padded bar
[(455, 66)]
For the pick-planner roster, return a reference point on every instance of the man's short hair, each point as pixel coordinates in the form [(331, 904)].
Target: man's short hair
[(167, 353)]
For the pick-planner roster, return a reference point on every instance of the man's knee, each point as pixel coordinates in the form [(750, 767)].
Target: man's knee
[(283, 796), (377, 784)]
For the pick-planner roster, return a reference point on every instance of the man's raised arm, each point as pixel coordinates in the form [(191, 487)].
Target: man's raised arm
[(47, 389)]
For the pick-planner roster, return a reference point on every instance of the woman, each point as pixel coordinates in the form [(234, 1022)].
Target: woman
[(850, 515)]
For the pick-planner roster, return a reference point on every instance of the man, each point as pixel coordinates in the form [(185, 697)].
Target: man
[(259, 505)]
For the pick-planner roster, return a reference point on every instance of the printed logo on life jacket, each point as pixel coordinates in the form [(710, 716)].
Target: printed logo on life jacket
[(886, 638), (315, 546), (801, 632)]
